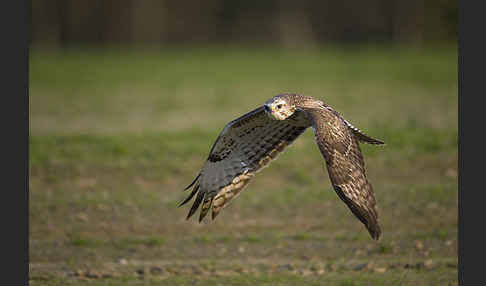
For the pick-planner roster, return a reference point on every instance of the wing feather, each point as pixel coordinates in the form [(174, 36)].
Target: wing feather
[(196, 204), (193, 182), (194, 191), (339, 146), (244, 146)]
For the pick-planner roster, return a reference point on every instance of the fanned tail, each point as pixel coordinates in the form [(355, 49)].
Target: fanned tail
[(362, 137), (367, 139)]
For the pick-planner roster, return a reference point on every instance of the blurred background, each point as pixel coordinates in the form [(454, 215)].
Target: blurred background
[(127, 98), (274, 22)]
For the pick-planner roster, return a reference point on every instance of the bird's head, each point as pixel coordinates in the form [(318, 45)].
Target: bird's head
[(279, 107)]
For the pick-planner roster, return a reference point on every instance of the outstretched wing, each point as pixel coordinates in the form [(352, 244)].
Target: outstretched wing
[(245, 145), (338, 143)]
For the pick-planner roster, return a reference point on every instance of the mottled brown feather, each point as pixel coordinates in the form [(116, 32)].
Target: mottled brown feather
[(243, 148), (345, 165)]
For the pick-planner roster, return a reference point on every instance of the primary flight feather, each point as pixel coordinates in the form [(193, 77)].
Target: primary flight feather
[(251, 141)]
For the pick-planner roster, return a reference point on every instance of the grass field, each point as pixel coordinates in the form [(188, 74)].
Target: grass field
[(115, 135)]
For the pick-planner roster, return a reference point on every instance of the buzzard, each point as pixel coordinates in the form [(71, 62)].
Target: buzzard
[(250, 142)]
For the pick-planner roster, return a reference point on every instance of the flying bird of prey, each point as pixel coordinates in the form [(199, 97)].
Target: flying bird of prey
[(250, 142)]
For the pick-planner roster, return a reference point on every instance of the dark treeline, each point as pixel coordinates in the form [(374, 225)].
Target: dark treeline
[(279, 22)]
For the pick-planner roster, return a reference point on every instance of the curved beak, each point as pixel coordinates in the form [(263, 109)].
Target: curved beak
[(267, 108)]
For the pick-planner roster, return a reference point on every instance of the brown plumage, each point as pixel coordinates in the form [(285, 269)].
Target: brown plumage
[(250, 142)]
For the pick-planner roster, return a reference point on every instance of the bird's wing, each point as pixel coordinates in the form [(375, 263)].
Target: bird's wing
[(245, 145), (340, 148)]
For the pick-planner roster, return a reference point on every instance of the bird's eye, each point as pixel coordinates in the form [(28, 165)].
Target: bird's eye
[(279, 106)]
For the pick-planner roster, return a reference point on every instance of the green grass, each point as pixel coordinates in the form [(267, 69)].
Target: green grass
[(115, 135)]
